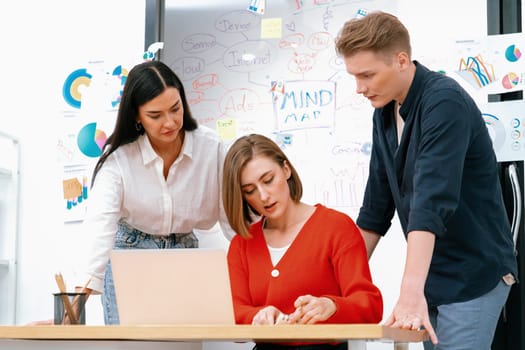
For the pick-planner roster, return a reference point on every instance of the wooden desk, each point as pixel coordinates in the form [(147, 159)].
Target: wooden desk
[(34, 336)]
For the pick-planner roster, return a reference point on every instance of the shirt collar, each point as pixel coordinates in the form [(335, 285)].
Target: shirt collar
[(415, 90), (149, 154)]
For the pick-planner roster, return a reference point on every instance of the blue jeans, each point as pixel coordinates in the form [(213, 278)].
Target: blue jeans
[(130, 238), (468, 325)]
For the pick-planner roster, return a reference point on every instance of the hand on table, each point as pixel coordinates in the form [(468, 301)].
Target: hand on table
[(412, 315), (268, 315), (308, 310)]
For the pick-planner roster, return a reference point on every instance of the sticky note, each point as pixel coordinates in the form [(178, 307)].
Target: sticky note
[(227, 129), (72, 188), (271, 28)]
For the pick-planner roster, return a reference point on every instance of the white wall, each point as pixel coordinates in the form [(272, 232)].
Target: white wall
[(26, 72), (39, 38)]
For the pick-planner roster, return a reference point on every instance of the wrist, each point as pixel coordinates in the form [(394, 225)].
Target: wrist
[(414, 286)]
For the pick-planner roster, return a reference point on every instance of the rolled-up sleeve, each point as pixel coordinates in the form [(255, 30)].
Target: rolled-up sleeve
[(439, 165), (378, 208)]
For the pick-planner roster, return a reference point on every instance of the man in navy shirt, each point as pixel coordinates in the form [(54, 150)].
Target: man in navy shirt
[(432, 161)]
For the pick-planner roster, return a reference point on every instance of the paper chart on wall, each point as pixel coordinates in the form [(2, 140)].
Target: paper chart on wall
[(493, 64), (91, 95)]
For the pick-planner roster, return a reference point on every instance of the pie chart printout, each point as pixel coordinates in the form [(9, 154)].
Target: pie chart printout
[(73, 85), (512, 53), (510, 80), (91, 140)]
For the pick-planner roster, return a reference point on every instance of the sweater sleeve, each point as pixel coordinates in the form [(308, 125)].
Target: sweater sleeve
[(360, 300), (237, 265)]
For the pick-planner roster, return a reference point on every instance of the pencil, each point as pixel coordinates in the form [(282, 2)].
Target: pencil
[(83, 290), (65, 299)]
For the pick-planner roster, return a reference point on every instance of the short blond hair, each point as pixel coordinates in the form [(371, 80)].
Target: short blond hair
[(379, 32)]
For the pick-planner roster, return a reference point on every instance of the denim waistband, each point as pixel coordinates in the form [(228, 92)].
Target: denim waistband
[(130, 237)]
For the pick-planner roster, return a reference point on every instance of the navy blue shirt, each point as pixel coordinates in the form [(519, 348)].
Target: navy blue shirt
[(442, 178)]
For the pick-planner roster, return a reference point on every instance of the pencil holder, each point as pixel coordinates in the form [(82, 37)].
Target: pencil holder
[(70, 308)]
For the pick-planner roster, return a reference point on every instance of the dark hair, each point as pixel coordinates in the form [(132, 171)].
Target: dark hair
[(239, 213), (145, 81), (379, 32)]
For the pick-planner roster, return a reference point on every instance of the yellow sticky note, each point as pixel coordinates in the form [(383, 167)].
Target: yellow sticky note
[(72, 188), (227, 129), (271, 28)]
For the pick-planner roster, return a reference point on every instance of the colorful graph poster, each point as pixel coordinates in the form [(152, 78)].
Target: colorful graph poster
[(91, 95), (494, 64), (93, 85), (506, 125), (507, 54), (75, 184)]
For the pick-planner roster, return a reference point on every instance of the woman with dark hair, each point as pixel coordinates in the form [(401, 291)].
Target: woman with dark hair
[(157, 180), (291, 262)]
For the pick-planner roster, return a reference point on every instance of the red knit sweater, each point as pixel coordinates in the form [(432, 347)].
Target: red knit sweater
[(327, 258)]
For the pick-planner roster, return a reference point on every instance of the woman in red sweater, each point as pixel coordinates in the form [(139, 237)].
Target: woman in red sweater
[(290, 262)]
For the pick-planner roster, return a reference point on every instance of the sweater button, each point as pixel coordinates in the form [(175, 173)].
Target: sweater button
[(275, 273)]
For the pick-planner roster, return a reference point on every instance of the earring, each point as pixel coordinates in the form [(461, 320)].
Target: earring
[(138, 126)]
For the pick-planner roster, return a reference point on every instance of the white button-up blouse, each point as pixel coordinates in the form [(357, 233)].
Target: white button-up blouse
[(131, 187)]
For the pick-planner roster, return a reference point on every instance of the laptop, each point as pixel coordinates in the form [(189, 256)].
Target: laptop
[(172, 286)]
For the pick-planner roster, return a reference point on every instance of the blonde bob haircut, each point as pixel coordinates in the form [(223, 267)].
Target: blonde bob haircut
[(239, 213)]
